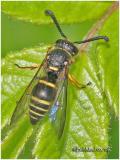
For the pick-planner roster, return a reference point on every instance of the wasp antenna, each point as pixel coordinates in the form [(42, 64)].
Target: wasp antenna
[(93, 39), (51, 14), (106, 38)]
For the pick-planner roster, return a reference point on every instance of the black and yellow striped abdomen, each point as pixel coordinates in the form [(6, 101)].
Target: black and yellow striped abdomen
[(43, 95)]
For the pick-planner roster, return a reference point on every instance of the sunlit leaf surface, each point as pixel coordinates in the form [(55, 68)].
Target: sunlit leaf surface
[(76, 12)]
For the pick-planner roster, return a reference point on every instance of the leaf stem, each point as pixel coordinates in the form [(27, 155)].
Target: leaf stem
[(97, 26)]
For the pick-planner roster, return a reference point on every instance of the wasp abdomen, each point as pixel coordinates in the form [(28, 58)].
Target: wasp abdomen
[(43, 95)]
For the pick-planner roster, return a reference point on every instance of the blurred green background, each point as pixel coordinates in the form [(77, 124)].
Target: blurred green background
[(17, 35)]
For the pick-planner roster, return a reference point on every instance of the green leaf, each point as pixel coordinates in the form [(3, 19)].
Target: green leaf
[(92, 109), (34, 11), (17, 137), (88, 111), (107, 58)]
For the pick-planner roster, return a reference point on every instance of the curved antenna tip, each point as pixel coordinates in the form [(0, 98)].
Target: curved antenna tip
[(48, 12), (106, 38)]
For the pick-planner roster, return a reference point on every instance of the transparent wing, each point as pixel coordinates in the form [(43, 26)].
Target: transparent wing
[(22, 104), (58, 110)]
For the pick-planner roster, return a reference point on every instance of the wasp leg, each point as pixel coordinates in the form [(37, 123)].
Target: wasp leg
[(77, 84), (28, 67), (72, 60)]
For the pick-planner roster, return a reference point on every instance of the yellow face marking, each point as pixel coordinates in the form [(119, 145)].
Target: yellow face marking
[(33, 117), (53, 68), (35, 113), (39, 108), (41, 101), (47, 83)]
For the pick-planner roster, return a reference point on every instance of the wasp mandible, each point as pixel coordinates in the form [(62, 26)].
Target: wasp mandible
[(49, 84)]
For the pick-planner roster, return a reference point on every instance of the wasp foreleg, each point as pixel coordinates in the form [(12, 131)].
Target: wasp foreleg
[(34, 66), (77, 84)]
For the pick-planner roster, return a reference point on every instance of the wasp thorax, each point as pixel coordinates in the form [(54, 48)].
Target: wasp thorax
[(68, 46), (57, 58)]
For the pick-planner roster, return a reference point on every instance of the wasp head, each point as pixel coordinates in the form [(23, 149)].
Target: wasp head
[(68, 46)]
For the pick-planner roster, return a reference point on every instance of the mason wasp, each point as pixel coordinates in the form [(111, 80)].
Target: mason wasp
[(47, 92)]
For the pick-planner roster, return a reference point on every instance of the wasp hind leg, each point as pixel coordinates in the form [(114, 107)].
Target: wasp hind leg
[(77, 84), (34, 66)]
